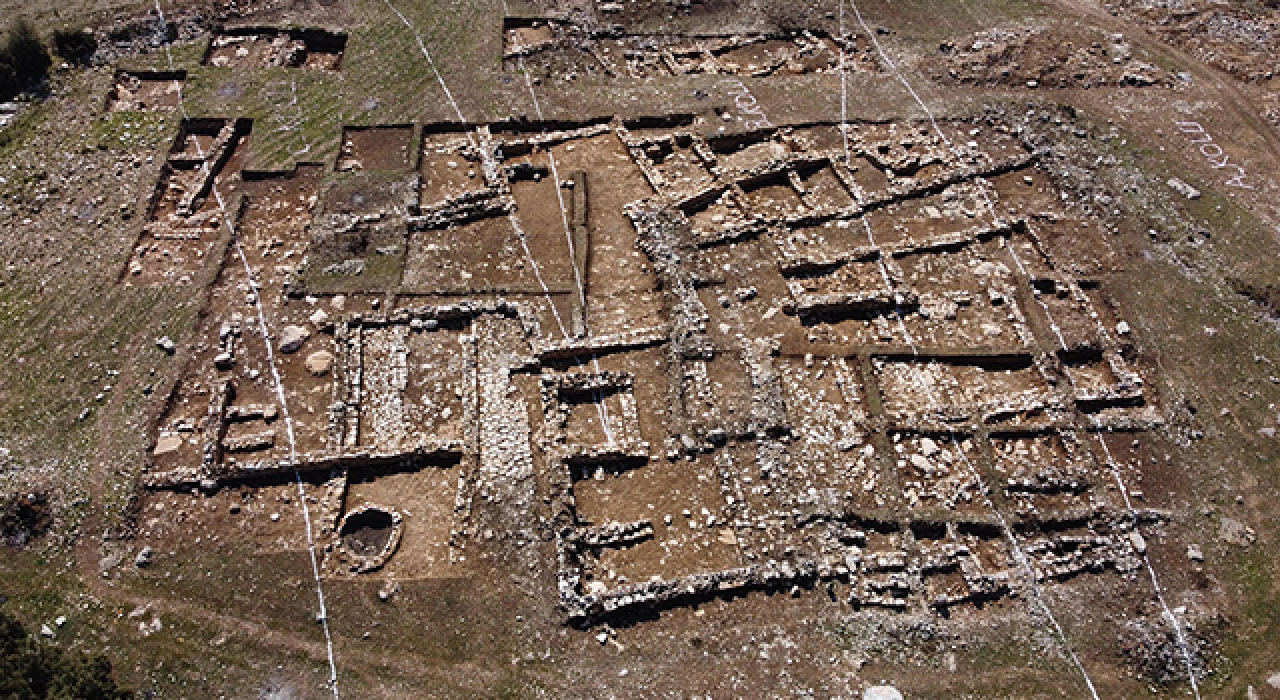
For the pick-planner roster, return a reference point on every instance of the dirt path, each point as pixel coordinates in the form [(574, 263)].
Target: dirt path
[(1210, 82)]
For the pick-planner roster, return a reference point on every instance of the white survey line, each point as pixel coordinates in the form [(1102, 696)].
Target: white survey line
[(844, 93), (490, 167), (448, 95), (893, 68), (1124, 492), (1173, 620), (323, 615), (1115, 470), (1019, 555), (601, 409)]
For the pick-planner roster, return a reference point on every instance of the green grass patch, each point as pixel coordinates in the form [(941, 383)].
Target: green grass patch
[(130, 131)]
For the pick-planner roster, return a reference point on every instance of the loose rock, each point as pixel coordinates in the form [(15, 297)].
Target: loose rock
[(292, 338), (882, 692), (318, 363)]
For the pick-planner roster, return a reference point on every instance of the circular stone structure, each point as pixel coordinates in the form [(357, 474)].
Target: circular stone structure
[(368, 536)]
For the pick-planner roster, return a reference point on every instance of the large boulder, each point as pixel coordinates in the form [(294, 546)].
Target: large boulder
[(292, 338), (167, 444), (882, 692), (318, 363)]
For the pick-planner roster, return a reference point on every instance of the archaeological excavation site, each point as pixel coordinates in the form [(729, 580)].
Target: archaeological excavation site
[(641, 349)]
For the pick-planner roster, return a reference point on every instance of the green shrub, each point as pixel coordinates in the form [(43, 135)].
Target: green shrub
[(75, 46), (33, 670), (27, 54), (8, 83)]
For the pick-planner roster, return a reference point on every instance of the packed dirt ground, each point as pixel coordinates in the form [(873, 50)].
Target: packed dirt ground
[(680, 349)]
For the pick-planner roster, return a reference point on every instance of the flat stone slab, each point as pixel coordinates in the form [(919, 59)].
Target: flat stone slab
[(292, 338), (881, 692)]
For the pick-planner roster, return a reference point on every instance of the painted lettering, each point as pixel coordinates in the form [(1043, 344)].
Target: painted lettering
[(1214, 154), (747, 104), (1238, 180)]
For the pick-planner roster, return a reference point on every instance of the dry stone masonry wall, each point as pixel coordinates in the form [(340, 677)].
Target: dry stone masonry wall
[(853, 344)]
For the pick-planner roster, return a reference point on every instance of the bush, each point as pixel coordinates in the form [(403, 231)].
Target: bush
[(8, 83), (75, 46), (24, 61), (24, 518), (27, 54), (34, 670)]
